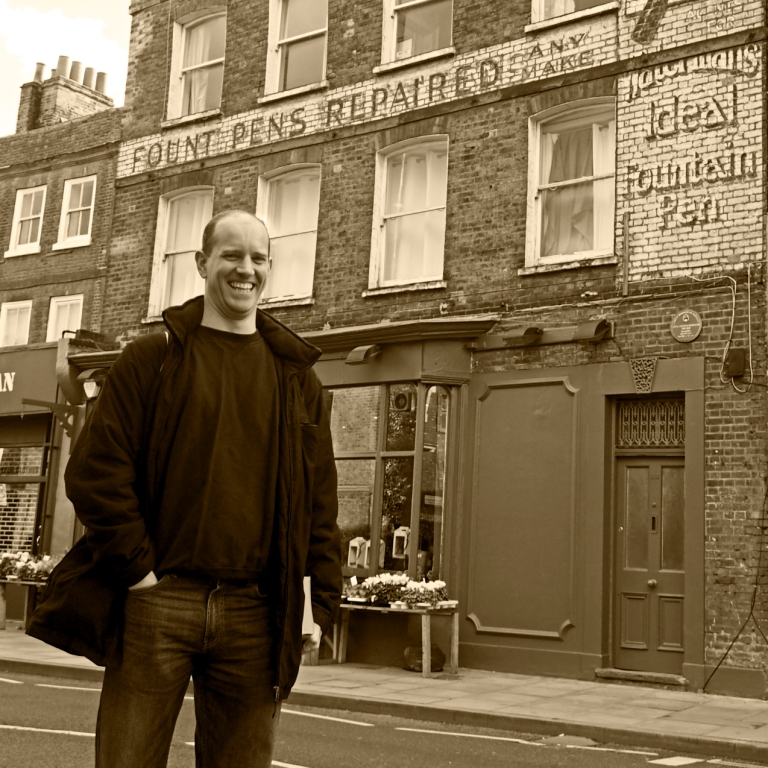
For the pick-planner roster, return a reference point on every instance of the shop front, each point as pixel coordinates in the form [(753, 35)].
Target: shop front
[(29, 453)]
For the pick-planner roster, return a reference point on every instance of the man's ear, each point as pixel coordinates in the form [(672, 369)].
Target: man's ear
[(202, 263)]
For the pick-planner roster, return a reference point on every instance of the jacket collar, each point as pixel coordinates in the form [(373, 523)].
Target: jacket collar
[(294, 351)]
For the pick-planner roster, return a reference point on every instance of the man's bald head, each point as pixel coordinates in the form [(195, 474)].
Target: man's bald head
[(209, 233)]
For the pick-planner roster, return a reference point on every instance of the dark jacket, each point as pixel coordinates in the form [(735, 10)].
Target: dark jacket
[(115, 481)]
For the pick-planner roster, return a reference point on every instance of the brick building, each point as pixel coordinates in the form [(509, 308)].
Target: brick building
[(56, 194), (529, 239)]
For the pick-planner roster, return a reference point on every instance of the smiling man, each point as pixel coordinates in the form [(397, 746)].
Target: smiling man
[(205, 477)]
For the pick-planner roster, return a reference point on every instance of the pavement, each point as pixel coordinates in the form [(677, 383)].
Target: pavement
[(635, 715)]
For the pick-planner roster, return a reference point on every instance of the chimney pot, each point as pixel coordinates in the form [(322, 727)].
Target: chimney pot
[(76, 73), (39, 71), (89, 77), (101, 82), (62, 67)]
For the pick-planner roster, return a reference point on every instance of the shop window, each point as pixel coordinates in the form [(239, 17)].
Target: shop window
[(416, 27), (550, 9), (572, 189), (27, 221), (289, 204), (77, 213), (23, 469), (14, 323), (197, 70), (64, 314), (408, 236), (181, 221), (391, 447), (298, 30)]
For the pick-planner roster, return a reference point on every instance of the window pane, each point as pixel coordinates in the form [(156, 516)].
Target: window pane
[(356, 482), (302, 16), (25, 231), (672, 518), (188, 216), (26, 205), (396, 506), (205, 41), (22, 460), (416, 179), (355, 419), (294, 200), (423, 28), (37, 205), (73, 224), (65, 316), (16, 326), (401, 417), (566, 155), (184, 281), (293, 266), (74, 196), (87, 194), (567, 219), (552, 8), (433, 468), (202, 89), (19, 512), (413, 246), (636, 523), (85, 222), (302, 62)]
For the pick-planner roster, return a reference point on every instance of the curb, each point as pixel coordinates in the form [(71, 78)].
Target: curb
[(698, 745)]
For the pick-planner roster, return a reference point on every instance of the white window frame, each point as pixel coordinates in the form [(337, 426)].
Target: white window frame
[(389, 32), (4, 309), (79, 240), (584, 112), (159, 279), (22, 250), (537, 12), (57, 302), (263, 202), (379, 220), (176, 82), (274, 52)]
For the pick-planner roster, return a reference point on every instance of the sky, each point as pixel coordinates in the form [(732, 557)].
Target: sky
[(94, 32)]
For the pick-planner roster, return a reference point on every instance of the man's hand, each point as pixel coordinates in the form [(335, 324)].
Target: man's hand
[(312, 642), (149, 580)]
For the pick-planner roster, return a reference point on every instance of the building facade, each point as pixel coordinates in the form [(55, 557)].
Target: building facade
[(530, 241)]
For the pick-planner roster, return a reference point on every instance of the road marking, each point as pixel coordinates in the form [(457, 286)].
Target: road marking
[(737, 765), (675, 761), (14, 682), (45, 730), (613, 749), (326, 717), (473, 736), (286, 765), (66, 687)]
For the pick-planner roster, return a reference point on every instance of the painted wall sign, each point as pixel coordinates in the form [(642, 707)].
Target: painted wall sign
[(29, 373), (686, 325), (6, 381)]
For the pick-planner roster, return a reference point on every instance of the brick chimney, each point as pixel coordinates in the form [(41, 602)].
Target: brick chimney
[(68, 94)]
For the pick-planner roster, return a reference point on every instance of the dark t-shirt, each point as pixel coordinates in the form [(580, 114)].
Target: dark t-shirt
[(218, 509)]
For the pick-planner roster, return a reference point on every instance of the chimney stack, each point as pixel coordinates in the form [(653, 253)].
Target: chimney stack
[(76, 73), (39, 72), (62, 67), (101, 82), (89, 77)]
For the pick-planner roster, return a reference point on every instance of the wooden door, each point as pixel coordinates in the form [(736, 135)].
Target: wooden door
[(649, 566)]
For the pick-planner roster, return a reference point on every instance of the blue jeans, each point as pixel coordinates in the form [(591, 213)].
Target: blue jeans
[(218, 633)]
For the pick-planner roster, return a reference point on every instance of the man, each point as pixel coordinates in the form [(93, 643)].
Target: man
[(206, 480)]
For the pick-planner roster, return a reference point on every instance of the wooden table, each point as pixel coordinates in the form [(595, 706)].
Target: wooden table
[(341, 632), (3, 582)]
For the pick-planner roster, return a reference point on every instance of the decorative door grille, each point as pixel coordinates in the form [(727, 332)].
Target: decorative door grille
[(651, 424)]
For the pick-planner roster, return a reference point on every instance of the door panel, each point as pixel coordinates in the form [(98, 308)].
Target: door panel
[(650, 575)]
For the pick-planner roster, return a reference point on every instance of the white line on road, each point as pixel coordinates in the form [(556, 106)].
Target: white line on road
[(326, 717), (45, 730), (613, 749), (67, 687), (14, 682), (738, 765), (286, 765), (473, 736)]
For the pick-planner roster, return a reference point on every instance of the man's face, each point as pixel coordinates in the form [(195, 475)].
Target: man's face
[(236, 270)]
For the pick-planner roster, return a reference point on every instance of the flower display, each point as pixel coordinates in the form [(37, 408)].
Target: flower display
[(26, 567), (396, 587)]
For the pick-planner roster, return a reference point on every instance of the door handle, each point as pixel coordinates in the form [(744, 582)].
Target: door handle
[(652, 583)]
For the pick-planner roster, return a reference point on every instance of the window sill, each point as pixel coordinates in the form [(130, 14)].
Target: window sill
[(432, 285), (152, 319), (198, 117), (304, 301), (411, 61), (68, 246), (597, 261), (268, 98), (569, 17), (22, 252)]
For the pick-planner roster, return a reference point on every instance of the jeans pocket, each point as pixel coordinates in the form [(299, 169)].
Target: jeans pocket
[(153, 587)]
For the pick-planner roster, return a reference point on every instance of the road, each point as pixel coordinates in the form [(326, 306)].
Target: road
[(50, 722)]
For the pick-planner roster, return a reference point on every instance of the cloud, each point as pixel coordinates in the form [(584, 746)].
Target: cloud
[(28, 35)]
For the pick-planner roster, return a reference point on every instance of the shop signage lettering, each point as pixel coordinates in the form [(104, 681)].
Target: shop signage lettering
[(675, 116), (533, 60), (6, 381)]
